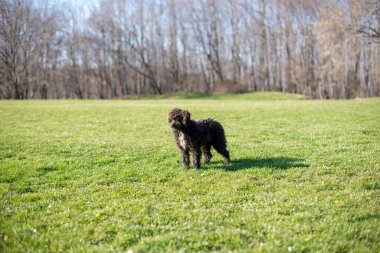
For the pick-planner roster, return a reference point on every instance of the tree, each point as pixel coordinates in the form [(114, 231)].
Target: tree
[(325, 49)]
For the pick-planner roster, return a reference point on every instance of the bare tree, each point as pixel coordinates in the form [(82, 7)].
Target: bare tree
[(325, 49)]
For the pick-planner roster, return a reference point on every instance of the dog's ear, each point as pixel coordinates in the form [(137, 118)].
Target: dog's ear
[(185, 118)]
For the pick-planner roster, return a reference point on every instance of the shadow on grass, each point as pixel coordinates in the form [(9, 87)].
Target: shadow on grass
[(275, 163)]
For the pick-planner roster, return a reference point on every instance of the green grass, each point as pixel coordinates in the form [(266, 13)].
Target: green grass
[(105, 176), (257, 96)]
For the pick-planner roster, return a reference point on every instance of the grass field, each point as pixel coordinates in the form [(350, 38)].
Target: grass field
[(105, 176)]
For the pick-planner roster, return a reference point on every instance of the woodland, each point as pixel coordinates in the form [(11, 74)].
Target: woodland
[(114, 48)]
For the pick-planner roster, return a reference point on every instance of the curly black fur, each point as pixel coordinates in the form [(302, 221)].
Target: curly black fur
[(197, 137)]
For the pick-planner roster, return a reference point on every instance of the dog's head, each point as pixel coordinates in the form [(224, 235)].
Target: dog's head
[(178, 119)]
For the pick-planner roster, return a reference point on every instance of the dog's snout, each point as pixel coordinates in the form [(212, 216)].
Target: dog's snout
[(172, 123)]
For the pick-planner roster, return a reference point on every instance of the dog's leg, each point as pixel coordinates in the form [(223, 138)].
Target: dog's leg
[(197, 158), (185, 156), (206, 150), (221, 149), (226, 157)]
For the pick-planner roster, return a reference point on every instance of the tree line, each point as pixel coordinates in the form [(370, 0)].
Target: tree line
[(323, 49)]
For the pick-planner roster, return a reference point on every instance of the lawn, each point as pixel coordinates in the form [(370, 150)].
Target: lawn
[(105, 176)]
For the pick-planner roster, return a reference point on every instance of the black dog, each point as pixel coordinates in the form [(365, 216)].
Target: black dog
[(197, 137)]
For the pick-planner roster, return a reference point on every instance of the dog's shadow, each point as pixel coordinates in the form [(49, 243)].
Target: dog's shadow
[(275, 163)]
